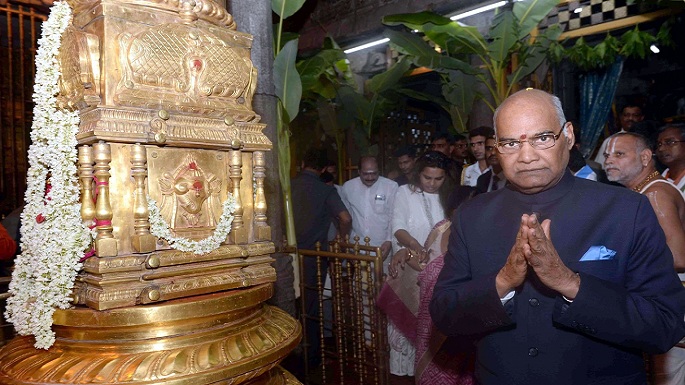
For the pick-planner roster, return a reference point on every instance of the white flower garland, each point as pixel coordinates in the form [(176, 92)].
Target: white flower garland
[(53, 235), (160, 229)]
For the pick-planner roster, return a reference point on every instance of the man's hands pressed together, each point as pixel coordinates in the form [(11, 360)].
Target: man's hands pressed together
[(534, 248)]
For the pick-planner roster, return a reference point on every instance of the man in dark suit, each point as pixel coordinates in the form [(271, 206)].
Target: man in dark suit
[(559, 280)]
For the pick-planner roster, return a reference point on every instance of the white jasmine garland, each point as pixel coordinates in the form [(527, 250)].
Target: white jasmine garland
[(53, 237), (160, 229)]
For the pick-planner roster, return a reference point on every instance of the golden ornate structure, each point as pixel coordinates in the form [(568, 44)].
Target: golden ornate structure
[(164, 91)]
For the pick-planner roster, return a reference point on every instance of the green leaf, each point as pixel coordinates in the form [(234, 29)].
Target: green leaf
[(636, 43), (441, 63), (416, 20), (409, 43), (530, 13), (503, 35), (286, 8), (535, 54), (319, 63), (286, 37), (354, 103), (459, 91), (287, 80), (457, 39), (389, 78), (328, 117)]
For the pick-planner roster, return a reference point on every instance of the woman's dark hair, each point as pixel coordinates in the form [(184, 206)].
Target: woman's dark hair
[(436, 159)]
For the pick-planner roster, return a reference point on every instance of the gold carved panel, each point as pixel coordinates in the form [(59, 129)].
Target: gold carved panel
[(79, 62), (183, 68)]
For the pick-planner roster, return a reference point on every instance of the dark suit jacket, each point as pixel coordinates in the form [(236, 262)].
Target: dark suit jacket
[(631, 303)]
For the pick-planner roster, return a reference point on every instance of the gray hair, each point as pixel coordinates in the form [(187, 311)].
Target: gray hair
[(558, 109), (641, 143)]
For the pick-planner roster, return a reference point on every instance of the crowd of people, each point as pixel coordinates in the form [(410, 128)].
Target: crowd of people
[(512, 259)]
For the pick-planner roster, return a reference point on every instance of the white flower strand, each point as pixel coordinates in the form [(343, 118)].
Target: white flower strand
[(52, 233), (160, 229)]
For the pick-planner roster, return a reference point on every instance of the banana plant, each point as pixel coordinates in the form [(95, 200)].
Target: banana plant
[(289, 92), (507, 54)]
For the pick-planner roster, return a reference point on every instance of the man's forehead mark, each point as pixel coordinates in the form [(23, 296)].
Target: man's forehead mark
[(523, 137)]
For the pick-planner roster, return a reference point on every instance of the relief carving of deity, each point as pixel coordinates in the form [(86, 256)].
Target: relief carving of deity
[(190, 196)]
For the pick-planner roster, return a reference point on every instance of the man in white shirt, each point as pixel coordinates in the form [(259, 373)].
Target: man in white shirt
[(477, 138), (670, 149), (631, 113), (370, 199)]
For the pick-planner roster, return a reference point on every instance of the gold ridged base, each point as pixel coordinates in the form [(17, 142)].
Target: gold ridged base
[(221, 338)]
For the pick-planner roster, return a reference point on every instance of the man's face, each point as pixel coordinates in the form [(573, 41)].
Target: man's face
[(529, 169), (491, 153), (629, 116), (442, 146), (461, 149), (368, 172), (478, 147), (622, 163), (333, 170), (405, 163), (669, 147)]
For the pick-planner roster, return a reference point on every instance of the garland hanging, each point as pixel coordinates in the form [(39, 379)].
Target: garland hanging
[(53, 236), (161, 229)]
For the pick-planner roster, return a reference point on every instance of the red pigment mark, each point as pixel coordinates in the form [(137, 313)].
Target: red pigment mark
[(523, 137), (192, 166), (40, 218), (197, 185), (197, 64)]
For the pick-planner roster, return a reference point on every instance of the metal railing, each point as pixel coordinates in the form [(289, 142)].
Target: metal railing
[(345, 335)]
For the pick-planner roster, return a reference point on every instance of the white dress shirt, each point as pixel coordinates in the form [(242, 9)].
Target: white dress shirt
[(471, 174)]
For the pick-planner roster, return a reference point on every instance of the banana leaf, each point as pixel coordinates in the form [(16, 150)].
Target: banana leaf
[(529, 13), (534, 54), (416, 20), (287, 80), (503, 35), (286, 8)]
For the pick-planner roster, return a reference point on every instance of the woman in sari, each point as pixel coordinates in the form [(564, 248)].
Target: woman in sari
[(419, 206), (437, 362)]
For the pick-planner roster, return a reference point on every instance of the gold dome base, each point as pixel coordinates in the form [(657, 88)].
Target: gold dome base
[(221, 338)]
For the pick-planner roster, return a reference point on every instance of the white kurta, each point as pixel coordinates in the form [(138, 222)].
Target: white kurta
[(410, 214), (371, 208)]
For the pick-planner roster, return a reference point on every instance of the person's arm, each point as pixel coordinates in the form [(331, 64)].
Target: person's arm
[(465, 306), (338, 210), (663, 199), (643, 309), (406, 240), (344, 222)]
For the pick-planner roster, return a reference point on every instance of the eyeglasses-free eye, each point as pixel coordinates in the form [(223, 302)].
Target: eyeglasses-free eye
[(538, 142), (668, 143)]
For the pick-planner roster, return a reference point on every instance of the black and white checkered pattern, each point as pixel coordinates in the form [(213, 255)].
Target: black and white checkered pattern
[(592, 12)]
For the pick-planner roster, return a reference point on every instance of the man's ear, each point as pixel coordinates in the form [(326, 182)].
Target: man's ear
[(568, 133), (646, 157)]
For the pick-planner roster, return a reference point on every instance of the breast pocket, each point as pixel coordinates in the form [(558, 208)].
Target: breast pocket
[(608, 270), (380, 204)]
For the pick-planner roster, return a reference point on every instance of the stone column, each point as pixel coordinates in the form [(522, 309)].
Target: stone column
[(254, 17)]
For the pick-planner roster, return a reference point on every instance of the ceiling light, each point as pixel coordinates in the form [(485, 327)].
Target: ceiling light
[(367, 45), (454, 18), (654, 48), (578, 10), (478, 10)]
